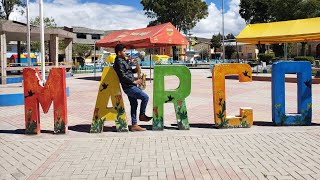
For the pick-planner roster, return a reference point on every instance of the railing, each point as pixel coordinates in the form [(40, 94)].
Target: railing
[(26, 64), (86, 69)]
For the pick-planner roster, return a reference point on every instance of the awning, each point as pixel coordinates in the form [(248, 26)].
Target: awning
[(154, 36), (301, 30)]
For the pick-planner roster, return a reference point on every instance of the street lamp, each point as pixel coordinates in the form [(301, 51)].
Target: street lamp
[(223, 49), (43, 68), (28, 35)]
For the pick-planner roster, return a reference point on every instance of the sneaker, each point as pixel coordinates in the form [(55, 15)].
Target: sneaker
[(137, 128), (144, 118)]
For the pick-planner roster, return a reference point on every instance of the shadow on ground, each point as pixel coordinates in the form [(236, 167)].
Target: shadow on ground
[(97, 78), (198, 125), (265, 123), (22, 131), (86, 128)]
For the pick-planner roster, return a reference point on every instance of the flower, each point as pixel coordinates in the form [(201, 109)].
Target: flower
[(29, 113), (118, 98), (155, 111), (96, 111), (179, 103)]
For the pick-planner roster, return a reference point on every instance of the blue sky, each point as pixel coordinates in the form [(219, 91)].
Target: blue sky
[(136, 3), (129, 14)]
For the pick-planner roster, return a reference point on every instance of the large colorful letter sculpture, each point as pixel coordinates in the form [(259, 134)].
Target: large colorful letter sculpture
[(219, 97), (35, 93), (109, 87), (177, 96), (304, 80)]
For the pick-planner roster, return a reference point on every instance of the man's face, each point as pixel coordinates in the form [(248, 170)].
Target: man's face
[(122, 53)]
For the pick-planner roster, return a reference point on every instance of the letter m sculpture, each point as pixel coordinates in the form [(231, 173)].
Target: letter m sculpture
[(36, 93)]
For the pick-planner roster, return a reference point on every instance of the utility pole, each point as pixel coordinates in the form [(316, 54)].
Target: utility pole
[(223, 49), (43, 56), (28, 35)]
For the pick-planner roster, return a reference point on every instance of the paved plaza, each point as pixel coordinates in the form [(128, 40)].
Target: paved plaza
[(263, 151)]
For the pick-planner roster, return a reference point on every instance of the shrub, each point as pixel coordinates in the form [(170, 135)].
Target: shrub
[(304, 58), (266, 57)]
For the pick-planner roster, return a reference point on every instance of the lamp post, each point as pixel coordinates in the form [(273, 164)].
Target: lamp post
[(43, 65), (28, 35), (223, 49)]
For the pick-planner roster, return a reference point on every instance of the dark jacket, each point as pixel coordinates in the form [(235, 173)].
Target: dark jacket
[(124, 72)]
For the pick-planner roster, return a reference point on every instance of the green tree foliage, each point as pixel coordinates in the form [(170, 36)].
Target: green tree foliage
[(294, 9), (204, 54), (183, 14), (82, 50), (278, 50), (48, 23), (266, 57), (215, 42), (260, 11), (255, 11), (7, 6), (230, 36), (229, 50), (304, 58)]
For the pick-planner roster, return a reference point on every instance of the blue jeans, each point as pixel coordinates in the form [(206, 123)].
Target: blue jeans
[(134, 93)]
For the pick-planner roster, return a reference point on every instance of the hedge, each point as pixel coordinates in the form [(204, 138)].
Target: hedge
[(304, 58), (266, 57)]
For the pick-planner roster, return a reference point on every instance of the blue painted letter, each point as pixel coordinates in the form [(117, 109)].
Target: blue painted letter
[(304, 80)]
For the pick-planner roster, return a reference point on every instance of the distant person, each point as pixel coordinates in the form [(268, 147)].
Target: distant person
[(129, 86)]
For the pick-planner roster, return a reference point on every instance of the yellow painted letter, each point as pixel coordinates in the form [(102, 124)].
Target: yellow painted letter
[(219, 97), (109, 88)]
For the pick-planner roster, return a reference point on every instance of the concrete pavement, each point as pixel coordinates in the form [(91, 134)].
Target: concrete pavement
[(263, 151)]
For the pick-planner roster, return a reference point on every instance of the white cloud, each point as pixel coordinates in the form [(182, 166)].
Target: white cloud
[(233, 23), (91, 15), (114, 17)]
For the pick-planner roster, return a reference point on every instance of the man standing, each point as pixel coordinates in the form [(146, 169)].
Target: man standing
[(129, 86)]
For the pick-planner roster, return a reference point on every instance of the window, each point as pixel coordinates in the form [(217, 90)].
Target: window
[(81, 36), (95, 36)]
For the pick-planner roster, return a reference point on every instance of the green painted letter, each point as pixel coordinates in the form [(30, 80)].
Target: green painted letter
[(176, 96)]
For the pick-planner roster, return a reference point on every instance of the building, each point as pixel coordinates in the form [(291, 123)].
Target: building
[(13, 31), (83, 35)]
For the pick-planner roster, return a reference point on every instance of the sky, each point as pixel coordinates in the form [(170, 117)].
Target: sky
[(129, 14)]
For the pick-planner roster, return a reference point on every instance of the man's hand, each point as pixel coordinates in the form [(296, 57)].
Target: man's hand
[(138, 81)]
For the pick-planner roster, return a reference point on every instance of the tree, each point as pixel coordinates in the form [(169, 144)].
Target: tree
[(215, 42), (260, 11), (7, 6), (82, 50), (183, 14), (277, 49), (230, 36), (204, 54), (256, 11), (48, 23), (229, 51)]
